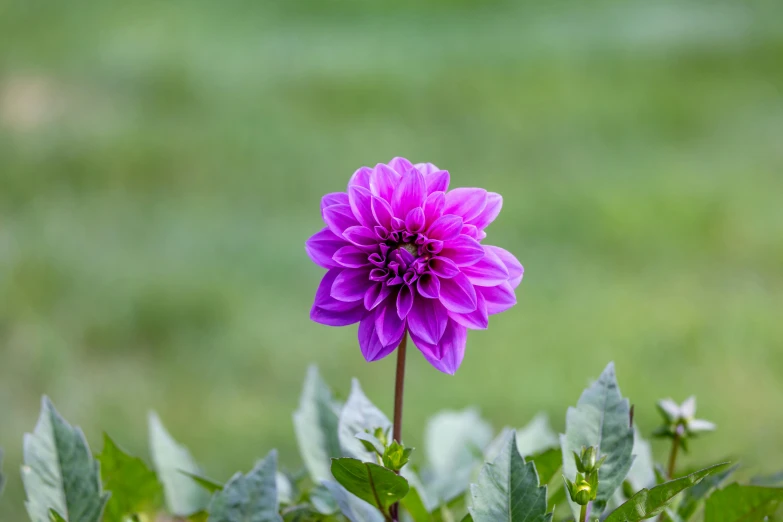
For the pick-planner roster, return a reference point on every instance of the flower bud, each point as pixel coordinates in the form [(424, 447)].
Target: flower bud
[(588, 461), (396, 456), (582, 490)]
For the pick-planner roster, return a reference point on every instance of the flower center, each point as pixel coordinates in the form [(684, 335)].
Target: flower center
[(410, 247)]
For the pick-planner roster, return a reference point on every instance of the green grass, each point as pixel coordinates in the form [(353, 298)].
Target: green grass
[(161, 167)]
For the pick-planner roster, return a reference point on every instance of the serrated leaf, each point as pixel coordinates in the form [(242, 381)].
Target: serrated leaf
[(134, 487), (316, 423), (183, 496), (209, 485), (454, 441), (354, 508), (648, 503), (547, 464), (370, 482), (359, 415), (415, 507), (737, 503), (601, 418), (694, 496), (249, 498), (59, 472), (508, 489)]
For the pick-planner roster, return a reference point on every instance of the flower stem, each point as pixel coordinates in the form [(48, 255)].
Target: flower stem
[(399, 386), (583, 514), (673, 454)]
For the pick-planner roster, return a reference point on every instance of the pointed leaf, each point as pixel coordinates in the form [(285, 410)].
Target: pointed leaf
[(208, 484), (359, 415), (59, 472), (183, 496), (315, 423), (54, 516), (693, 496), (134, 487), (249, 498), (737, 503), (370, 482), (601, 418), (508, 489), (354, 508), (650, 502)]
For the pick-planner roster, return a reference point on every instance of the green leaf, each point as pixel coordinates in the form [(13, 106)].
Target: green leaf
[(59, 472), (370, 482), (315, 424), (357, 416), (693, 496), (54, 516), (508, 489), (208, 484), (354, 508), (547, 464), (601, 418), (452, 441), (134, 487), (650, 502), (415, 507), (183, 495), (249, 498), (737, 503)]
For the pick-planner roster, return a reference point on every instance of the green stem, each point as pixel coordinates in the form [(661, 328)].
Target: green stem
[(399, 388), (673, 454), (583, 514)]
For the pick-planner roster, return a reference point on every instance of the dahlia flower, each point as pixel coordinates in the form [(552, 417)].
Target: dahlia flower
[(404, 254)]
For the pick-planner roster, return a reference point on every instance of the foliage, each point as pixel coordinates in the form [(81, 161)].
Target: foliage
[(467, 474)]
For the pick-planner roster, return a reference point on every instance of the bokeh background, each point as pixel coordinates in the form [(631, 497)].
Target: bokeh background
[(161, 165)]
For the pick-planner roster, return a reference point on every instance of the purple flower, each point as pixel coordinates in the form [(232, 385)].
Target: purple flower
[(404, 253)]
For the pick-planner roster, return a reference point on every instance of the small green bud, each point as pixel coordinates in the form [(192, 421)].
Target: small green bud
[(588, 461), (582, 490), (396, 456)]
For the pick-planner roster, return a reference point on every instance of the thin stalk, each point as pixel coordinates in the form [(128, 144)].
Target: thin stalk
[(583, 514), (673, 454), (399, 388)]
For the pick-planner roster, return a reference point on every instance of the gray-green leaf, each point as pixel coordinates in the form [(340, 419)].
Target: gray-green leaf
[(693, 496), (601, 418), (508, 489), (249, 498), (59, 472), (737, 503), (183, 495), (370, 482), (354, 508), (650, 502), (134, 487), (358, 415), (315, 424)]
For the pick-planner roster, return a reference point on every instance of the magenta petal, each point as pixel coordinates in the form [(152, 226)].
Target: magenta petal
[(414, 221), (409, 194), (376, 294), (388, 324), (383, 181), (335, 198), (361, 205), (370, 342), (362, 237), (427, 319), (514, 267), (445, 228), (338, 218), (382, 212), (429, 286), (475, 320), (463, 250), (498, 298), (426, 168), (458, 294), (361, 178), (472, 231), (490, 212), (451, 349), (404, 301), (437, 181), (322, 246), (329, 311), (433, 207), (401, 165), (334, 318), (489, 271), (443, 267), (351, 284), (465, 202), (350, 256)]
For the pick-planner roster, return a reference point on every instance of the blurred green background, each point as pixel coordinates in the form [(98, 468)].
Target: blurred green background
[(161, 165)]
